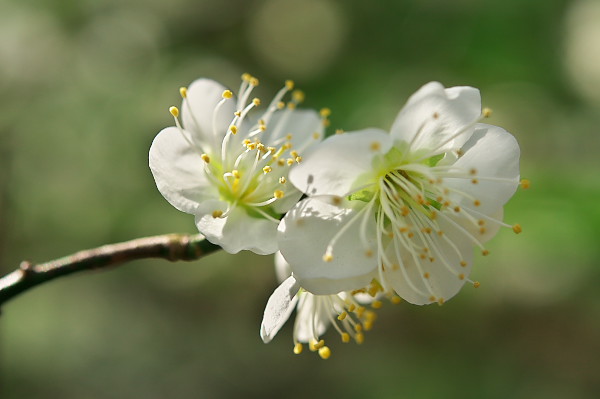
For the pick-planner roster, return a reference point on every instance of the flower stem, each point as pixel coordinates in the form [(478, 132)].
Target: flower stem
[(172, 247)]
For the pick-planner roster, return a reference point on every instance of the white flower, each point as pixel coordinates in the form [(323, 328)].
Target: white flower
[(406, 208), (229, 168), (345, 311)]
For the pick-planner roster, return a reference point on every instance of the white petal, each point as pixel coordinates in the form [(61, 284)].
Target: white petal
[(312, 319), (179, 171), (238, 231), (305, 126), (198, 111), (443, 279), (434, 114), (279, 307), (493, 153), (334, 166), (282, 268), (306, 231)]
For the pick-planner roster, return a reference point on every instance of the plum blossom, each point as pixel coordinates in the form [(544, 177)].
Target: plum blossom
[(229, 167), (404, 209)]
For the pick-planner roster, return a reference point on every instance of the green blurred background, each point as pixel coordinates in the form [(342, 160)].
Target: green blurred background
[(86, 84)]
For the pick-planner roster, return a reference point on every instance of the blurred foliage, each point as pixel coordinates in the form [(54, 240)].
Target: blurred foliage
[(85, 87)]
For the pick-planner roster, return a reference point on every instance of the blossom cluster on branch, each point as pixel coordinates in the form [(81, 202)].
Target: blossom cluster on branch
[(355, 218)]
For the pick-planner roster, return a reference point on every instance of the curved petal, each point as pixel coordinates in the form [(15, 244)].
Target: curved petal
[(305, 127), (433, 115), (179, 171), (282, 268), (494, 154), (422, 281), (306, 232), (198, 112), (238, 231), (334, 166), (279, 308)]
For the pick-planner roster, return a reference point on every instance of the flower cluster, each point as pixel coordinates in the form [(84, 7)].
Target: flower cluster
[(385, 215)]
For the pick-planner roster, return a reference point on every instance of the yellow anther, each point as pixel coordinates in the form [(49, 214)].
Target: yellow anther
[(251, 146), (233, 129), (461, 276), (485, 252), (368, 253), (282, 180), (267, 169), (482, 230), (261, 147), (351, 307), (436, 115), (246, 141), (517, 228), (174, 111), (298, 348), (289, 84), (246, 77), (481, 222), (324, 352), (339, 131), (476, 202), (315, 345), (476, 284), (463, 263), (375, 146), (359, 312), (290, 161), (238, 113), (281, 162), (360, 338), (183, 92), (358, 328), (298, 95), (325, 112), (473, 172), (377, 304), (326, 122), (205, 158), (327, 257), (342, 315), (217, 214), (525, 184), (487, 112), (370, 315), (336, 200), (345, 337), (227, 94), (253, 81), (278, 194), (474, 181), (426, 275), (395, 299), (256, 102), (289, 137), (457, 209), (440, 301), (291, 105), (368, 325), (432, 298), (236, 173), (271, 149), (316, 135), (280, 105)]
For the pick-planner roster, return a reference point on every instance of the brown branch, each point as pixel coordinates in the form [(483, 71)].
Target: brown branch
[(172, 247)]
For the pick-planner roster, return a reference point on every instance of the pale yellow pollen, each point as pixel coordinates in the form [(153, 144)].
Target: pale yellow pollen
[(440, 301), (238, 113), (282, 180), (517, 228), (432, 298), (298, 95), (217, 214), (395, 300), (205, 158), (233, 129), (280, 105), (360, 338), (294, 154), (485, 252), (253, 81), (327, 257), (359, 312), (325, 112), (314, 345), (463, 263), (316, 135), (246, 77), (289, 84), (271, 149), (525, 184), (183, 92), (368, 325), (476, 284), (291, 106), (487, 112), (281, 162), (290, 161), (174, 111), (352, 307), (461, 276), (339, 131), (482, 230), (375, 146), (278, 194), (298, 348), (324, 352), (256, 102), (342, 315), (267, 169), (345, 337), (376, 304), (227, 94), (236, 173)]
